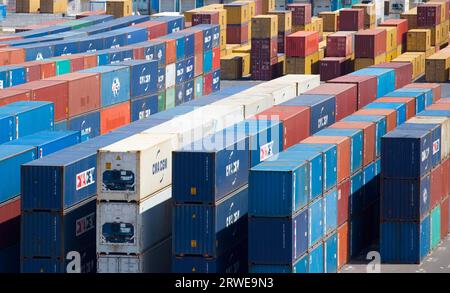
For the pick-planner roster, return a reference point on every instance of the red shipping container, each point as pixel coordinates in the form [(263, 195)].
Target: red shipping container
[(83, 91), (410, 104), (365, 85), (301, 13), (390, 114), (198, 39), (443, 101), (258, 6), (368, 129), (402, 29), (403, 72), (445, 176), (32, 71), (48, 68), (10, 222), (11, 95), (155, 29), (207, 84), (90, 61), (302, 44), (343, 153), (370, 43), (138, 52), (439, 106), (11, 37), (436, 182), (436, 87), (346, 97), (351, 19), (339, 44), (10, 56), (198, 64), (332, 67), (4, 45), (76, 62), (49, 90), (444, 217), (237, 33), (216, 58), (114, 116), (343, 194), (295, 120), (171, 50), (264, 49), (343, 245), (205, 17), (428, 14)]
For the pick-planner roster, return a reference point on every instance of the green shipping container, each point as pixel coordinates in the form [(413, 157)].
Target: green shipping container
[(76, 24), (62, 66), (161, 101), (435, 226), (170, 98), (198, 85)]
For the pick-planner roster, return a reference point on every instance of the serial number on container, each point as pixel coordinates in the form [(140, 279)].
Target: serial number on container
[(245, 283)]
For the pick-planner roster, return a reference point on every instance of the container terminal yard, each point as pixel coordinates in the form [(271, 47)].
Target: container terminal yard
[(251, 136)]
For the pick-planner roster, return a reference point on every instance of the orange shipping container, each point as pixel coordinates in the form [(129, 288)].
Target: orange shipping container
[(114, 117), (10, 56), (90, 61), (390, 114), (343, 247), (410, 104)]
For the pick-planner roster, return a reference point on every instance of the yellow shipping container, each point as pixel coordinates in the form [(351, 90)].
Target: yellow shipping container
[(267, 5), (391, 55), (243, 49), (251, 6), (430, 52), (282, 60), (264, 26), (435, 34), (361, 63), (318, 26), (399, 50), (235, 66), (230, 48), (444, 32), (284, 20), (442, 4), (418, 40), (411, 16), (119, 8), (303, 65), (420, 60), (237, 14), (437, 67), (223, 39), (391, 37), (27, 6), (330, 21), (308, 27), (59, 6), (321, 53)]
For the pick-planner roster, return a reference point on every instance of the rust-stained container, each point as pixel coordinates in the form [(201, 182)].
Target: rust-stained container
[(339, 44), (346, 97), (436, 191), (11, 95), (368, 129), (436, 88), (32, 71), (51, 91), (365, 85), (343, 245), (302, 44), (403, 72), (390, 114), (343, 195), (10, 56), (332, 67), (444, 217), (410, 104), (343, 153), (76, 62), (91, 60), (402, 29), (296, 122), (351, 19), (114, 116), (370, 43), (83, 92)]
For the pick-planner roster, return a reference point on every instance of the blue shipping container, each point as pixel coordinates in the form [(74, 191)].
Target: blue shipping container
[(323, 109), (330, 253), (209, 169), (144, 77), (216, 81), (428, 93), (144, 107), (115, 83), (406, 153), (11, 158), (207, 61), (278, 188), (91, 44), (301, 266), (316, 257), (400, 108), (7, 128), (65, 47), (88, 124), (316, 227), (189, 70), (210, 230), (418, 96), (180, 70), (330, 206), (38, 51), (356, 199), (161, 84), (179, 94), (280, 241), (385, 79), (188, 91)]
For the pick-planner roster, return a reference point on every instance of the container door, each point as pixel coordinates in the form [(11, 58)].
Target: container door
[(186, 5), (167, 5)]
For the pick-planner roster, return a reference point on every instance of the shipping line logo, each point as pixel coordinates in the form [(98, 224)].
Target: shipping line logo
[(85, 178), (115, 87), (84, 224), (159, 166)]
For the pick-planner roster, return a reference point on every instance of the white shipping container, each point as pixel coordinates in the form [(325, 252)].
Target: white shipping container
[(303, 82), (280, 92), (252, 104), (445, 130), (170, 75), (135, 167), (155, 260), (132, 228), (222, 115)]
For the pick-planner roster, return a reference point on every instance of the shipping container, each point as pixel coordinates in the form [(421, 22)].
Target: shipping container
[(343, 245), (316, 259), (114, 116), (331, 253), (365, 86), (385, 79), (210, 230), (435, 87), (403, 72), (8, 96), (143, 107), (436, 189), (300, 266), (390, 116), (399, 146), (370, 43), (428, 93), (330, 207), (302, 44), (445, 131), (343, 196), (88, 124), (131, 227), (400, 109), (278, 241), (420, 101), (351, 19)]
